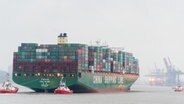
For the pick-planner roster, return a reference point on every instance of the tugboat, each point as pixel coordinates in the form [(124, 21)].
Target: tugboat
[(63, 89), (8, 88), (178, 88)]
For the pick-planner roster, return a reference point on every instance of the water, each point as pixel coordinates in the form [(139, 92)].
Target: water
[(139, 95)]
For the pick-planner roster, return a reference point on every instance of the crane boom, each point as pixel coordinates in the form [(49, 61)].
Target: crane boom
[(166, 64)]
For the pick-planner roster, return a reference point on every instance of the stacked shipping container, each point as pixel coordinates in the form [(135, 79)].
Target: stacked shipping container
[(73, 57)]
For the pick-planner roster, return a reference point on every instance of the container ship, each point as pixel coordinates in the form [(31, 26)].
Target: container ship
[(84, 68)]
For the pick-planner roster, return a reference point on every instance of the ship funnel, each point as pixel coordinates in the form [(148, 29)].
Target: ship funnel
[(62, 38), (60, 35), (64, 34)]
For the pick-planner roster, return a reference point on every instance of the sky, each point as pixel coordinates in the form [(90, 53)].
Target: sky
[(150, 29)]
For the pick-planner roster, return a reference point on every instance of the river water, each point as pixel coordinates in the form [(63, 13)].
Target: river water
[(139, 94)]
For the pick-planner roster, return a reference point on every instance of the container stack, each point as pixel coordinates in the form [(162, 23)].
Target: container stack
[(135, 67), (51, 52), (120, 60), (106, 65), (73, 56), (95, 58), (69, 57), (130, 63), (82, 56), (115, 62), (27, 52)]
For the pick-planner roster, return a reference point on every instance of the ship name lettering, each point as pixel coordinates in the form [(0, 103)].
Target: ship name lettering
[(110, 79), (97, 79)]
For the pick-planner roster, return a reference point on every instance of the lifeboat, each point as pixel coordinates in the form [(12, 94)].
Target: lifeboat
[(63, 89)]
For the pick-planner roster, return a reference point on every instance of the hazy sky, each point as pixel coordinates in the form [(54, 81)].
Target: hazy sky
[(151, 29)]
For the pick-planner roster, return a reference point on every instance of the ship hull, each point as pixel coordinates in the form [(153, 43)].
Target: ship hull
[(87, 82), (106, 82)]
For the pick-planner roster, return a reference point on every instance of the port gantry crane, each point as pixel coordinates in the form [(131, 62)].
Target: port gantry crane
[(170, 77), (172, 74)]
